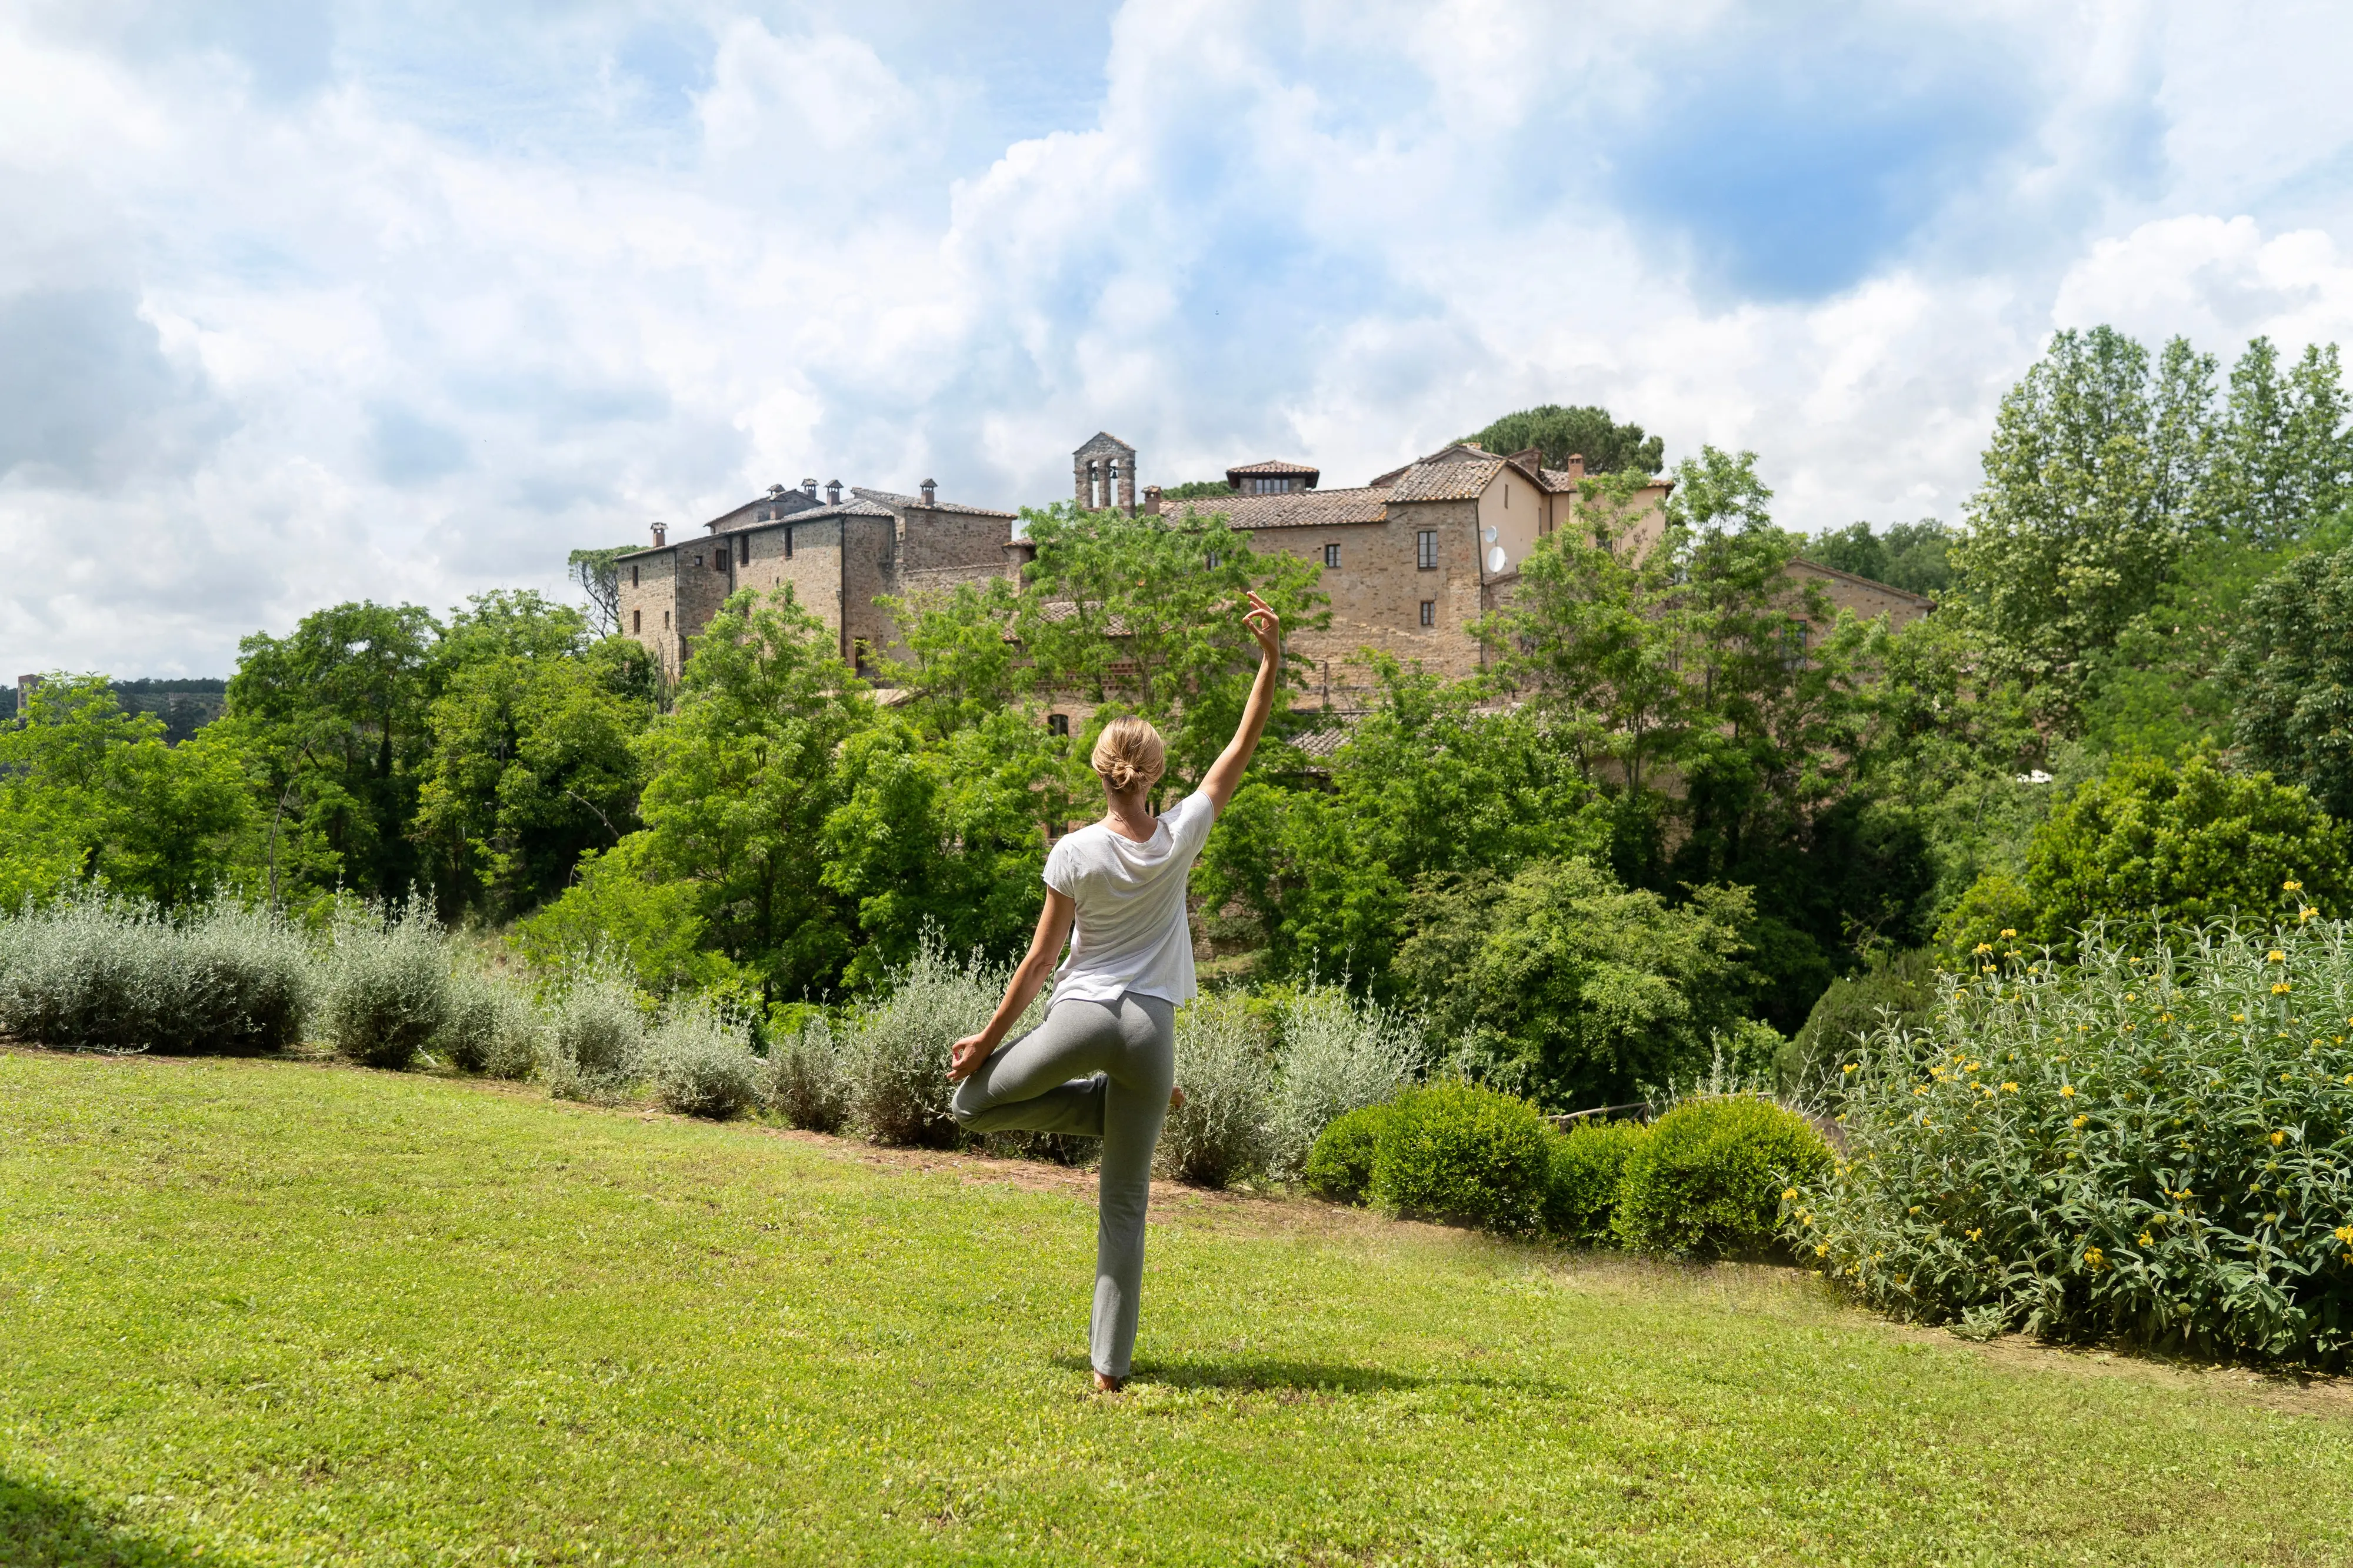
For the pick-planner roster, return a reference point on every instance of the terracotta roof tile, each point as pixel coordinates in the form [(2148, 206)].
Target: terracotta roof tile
[(1460, 478), (1295, 509)]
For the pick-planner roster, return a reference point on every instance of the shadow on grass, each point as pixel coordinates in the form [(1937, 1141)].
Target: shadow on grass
[(41, 1527), (1255, 1376)]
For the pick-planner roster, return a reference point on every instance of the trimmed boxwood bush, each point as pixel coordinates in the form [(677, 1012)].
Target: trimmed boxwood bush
[(1587, 1163), (1340, 1166), (1707, 1182), (1465, 1155)]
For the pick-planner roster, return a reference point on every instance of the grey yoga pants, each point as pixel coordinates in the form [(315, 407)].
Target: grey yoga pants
[(1099, 1069)]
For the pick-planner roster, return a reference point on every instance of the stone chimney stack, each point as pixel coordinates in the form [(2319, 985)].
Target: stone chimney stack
[(833, 492), (808, 489), (931, 492), (661, 535), (775, 492), (1576, 465), (1151, 501)]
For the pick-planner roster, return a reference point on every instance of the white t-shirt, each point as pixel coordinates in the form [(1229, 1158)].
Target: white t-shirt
[(1131, 933)]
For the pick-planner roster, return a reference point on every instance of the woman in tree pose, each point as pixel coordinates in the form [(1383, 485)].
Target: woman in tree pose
[(1103, 1064)]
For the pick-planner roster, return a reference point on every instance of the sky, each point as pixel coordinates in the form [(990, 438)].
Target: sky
[(307, 301)]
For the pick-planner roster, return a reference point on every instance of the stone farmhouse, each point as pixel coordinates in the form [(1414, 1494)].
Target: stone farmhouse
[(840, 554), (1410, 558)]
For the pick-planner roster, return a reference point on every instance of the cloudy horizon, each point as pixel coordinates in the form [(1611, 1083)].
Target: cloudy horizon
[(303, 303)]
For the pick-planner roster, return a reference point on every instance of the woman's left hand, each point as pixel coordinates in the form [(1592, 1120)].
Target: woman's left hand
[(1266, 627)]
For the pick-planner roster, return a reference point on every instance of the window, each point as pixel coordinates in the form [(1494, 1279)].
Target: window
[(633, 576), (1058, 723), (743, 550), (698, 559), (1430, 611), (637, 622), (665, 620), (1331, 556), (788, 542), (859, 654), (1213, 559), (1425, 549), (1265, 486), (1793, 645)]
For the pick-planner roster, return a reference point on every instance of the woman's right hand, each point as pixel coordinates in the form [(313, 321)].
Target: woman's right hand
[(966, 1055)]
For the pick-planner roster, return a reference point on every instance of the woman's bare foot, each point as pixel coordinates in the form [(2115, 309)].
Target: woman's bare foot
[(1176, 1099), (1106, 1384)]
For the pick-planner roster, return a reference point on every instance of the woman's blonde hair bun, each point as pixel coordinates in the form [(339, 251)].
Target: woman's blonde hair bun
[(1128, 751)]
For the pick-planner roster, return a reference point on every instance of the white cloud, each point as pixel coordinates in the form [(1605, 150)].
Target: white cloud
[(415, 335)]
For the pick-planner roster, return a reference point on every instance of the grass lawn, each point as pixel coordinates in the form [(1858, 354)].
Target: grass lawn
[(279, 1312)]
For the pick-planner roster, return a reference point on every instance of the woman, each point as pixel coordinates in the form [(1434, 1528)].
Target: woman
[(1103, 1064)]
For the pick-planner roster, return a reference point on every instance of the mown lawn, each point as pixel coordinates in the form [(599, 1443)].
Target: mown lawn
[(278, 1312)]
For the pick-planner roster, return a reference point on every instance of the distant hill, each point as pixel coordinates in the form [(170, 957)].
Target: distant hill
[(185, 705)]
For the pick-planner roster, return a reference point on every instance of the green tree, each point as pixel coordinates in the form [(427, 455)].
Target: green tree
[(1138, 614), (2283, 453), (1912, 556), (962, 662), (332, 723), (1427, 782), (2288, 677), (741, 778), (88, 792), (947, 833), (2096, 455), (2151, 842), (1606, 447), (531, 762), (1570, 988)]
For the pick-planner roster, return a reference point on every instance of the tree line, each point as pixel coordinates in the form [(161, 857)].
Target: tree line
[(1683, 799)]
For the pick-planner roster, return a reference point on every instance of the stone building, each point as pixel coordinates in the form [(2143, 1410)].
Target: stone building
[(839, 554), (1411, 559)]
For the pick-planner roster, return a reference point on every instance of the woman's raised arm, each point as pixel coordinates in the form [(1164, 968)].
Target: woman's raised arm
[(1225, 775)]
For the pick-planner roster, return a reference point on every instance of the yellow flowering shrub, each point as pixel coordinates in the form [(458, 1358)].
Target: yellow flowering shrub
[(2169, 1159)]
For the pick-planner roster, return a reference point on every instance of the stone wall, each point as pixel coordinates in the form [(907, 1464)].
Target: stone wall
[(650, 607), (1865, 598), (1377, 591)]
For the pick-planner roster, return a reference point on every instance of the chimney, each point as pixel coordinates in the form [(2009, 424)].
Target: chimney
[(661, 533), (808, 489), (1151, 501), (833, 492), (775, 492), (1576, 465), (931, 492)]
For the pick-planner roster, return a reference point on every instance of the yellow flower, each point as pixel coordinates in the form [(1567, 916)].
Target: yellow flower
[(1913, 1209), (1790, 1196), (2306, 913), (2010, 1089), (1822, 1249), (2079, 1121), (2147, 1239), (2278, 1138), (2094, 1259), (2130, 997), (2281, 988), (2066, 1091), (1985, 947), (2290, 887), (2276, 956), (1852, 1066), (2008, 930), (2238, 1018), (1976, 1233), (2345, 1233)]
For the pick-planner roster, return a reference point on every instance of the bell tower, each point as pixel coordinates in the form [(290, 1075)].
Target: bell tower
[(1103, 475)]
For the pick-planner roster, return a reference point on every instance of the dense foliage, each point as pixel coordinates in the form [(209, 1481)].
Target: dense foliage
[(1458, 1152), (1559, 433), (1707, 1180), (2156, 1143)]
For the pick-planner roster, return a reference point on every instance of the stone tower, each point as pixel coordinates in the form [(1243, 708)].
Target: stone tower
[(1103, 474)]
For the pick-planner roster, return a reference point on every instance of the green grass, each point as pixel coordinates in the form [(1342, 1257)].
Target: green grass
[(278, 1312)]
